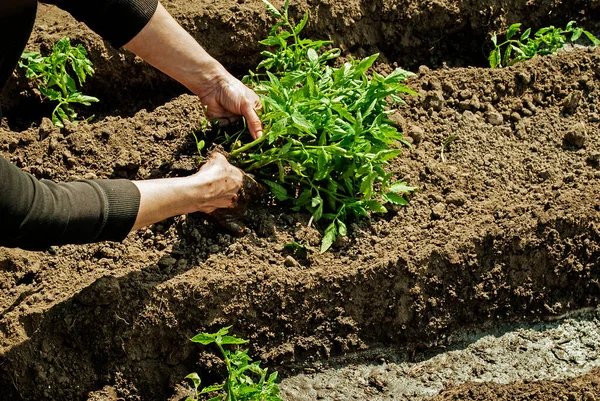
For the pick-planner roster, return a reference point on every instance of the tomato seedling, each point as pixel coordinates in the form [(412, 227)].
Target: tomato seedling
[(545, 41), (326, 133), (246, 380), (54, 80)]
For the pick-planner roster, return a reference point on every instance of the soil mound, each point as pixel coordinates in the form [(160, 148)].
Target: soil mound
[(505, 225)]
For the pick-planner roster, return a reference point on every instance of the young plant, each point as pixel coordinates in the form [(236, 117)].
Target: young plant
[(326, 133), (246, 380), (54, 80), (545, 41)]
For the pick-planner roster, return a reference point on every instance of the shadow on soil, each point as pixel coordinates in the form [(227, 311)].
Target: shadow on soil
[(140, 324)]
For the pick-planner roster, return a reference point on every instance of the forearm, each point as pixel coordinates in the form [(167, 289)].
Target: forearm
[(214, 186), (164, 198), (168, 47)]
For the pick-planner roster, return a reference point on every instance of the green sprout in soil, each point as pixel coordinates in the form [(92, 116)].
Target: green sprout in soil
[(246, 380), (326, 133), (545, 41), (54, 81)]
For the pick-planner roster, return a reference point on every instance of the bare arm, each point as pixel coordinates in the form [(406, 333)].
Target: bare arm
[(215, 186), (168, 47)]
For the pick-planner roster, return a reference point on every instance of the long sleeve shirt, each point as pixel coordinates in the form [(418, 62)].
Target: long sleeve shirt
[(35, 214)]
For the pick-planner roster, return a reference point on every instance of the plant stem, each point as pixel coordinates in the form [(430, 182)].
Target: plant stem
[(248, 146)]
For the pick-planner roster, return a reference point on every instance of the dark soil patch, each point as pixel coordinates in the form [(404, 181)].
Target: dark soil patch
[(506, 226)]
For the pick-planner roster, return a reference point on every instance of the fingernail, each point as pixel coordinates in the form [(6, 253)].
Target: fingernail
[(259, 134)]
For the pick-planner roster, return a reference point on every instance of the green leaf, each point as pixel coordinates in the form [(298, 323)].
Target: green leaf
[(313, 57), (328, 237), (526, 34), (195, 379), (576, 34), (494, 40), (401, 187), (50, 93), (318, 212), (204, 338), (385, 155), (301, 24), (302, 123), (494, 58), (376, 206), (506, 56), (512, 30), (366, 63), (272, 9), (342, 229), (232, 340), (278, 190), (210, 389), (395, 199), (592, 38)]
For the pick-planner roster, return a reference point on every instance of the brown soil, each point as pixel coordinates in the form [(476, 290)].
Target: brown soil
[(584, 388), (505, 225)]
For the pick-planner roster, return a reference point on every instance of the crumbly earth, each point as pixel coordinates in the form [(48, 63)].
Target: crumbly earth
[(505, 225)]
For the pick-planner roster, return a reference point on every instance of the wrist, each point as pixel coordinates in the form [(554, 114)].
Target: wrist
[(201, 77)]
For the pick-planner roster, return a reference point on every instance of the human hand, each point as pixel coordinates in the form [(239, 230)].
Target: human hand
[(218, 184), (218, 189), (226, 98)]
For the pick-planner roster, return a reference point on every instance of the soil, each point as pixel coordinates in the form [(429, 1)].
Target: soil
[(544, 356), (505, 226)]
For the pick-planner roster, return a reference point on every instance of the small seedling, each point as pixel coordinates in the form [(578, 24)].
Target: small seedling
[(246, 380), (54, 81), (545, 41), (326, 133), (299, 250), (445, 146)]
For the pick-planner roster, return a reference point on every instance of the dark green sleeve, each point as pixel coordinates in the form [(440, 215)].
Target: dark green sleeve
[(117, 21), (35, 214)]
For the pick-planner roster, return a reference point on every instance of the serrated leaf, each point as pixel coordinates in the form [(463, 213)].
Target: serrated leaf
[(376, 206), (328, 237), (395, 199), (301, 24), (277, 190), (272, 9), (204, 338), (232, 340), (366, 63), (401, 187)]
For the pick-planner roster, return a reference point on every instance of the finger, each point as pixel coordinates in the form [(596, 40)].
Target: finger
[(254, 123), (224, 121)]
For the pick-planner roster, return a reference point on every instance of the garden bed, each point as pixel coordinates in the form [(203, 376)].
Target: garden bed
[(504, 227)]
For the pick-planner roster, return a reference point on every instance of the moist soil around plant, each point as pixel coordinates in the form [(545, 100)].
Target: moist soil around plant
[(505, 225)]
